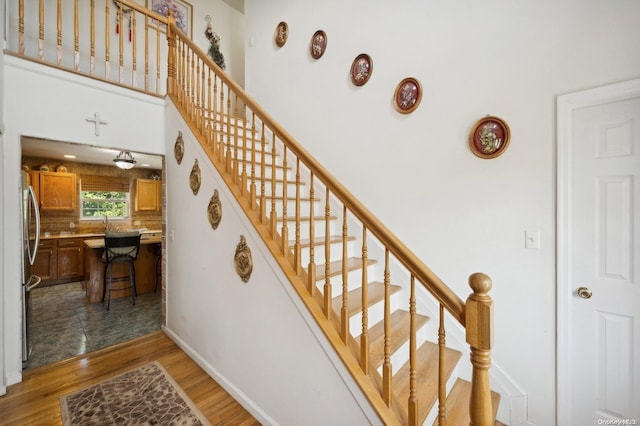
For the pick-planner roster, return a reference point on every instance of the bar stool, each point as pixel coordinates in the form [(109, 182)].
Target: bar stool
[(157, 250), (120, 247)]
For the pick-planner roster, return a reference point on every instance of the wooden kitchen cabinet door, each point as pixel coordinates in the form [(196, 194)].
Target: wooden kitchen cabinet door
[(148, 197), (70, 259), (44, 265), (58, 191)]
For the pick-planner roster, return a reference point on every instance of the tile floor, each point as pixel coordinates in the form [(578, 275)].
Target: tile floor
[(64, 324)]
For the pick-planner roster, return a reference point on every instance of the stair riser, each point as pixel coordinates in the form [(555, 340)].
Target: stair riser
[(305, 225), (335, 252), (375, 313), (401, 355), (354, 279)]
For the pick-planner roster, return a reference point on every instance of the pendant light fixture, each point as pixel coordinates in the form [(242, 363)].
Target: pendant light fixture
[(124, 160)]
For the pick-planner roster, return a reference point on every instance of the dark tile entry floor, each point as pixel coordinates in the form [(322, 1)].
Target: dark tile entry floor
[(64, 324)]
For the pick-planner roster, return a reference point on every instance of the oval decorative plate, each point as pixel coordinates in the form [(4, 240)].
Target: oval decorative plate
[(194, 178), (282, 34), (361, 69), (318, 44), (243, 260), (214, 211), (178, 148), (408, 95)]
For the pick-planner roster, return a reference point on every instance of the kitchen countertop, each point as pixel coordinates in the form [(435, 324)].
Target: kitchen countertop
[(99, 242), (64, 234)]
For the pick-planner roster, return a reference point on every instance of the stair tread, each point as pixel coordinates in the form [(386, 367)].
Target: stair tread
[(335, 267), (400, 320), (319, 241), (458, 403), (375, 293), (426, 390)]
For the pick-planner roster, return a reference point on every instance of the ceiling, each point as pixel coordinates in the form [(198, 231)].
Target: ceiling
[(89, 154), (236, 4)]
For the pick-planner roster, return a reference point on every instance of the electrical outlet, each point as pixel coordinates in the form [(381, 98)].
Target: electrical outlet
[(532, 240)]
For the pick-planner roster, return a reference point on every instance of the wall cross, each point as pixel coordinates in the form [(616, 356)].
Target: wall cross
[(97, 122)]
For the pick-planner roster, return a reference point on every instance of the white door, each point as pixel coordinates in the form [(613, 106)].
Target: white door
[(600, 260)]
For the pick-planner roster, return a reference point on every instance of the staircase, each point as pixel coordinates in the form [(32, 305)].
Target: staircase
[(386, 314)]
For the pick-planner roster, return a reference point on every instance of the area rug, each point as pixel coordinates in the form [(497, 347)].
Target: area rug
[(147, 395)]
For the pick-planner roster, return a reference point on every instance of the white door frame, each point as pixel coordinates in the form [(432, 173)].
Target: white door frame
[(566, 104)]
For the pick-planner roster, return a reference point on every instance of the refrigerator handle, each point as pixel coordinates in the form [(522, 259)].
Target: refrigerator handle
[(34, 281), (32, 256)]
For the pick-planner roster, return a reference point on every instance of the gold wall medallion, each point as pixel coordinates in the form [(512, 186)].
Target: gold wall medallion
[(242, 260), (214, 211), (178, 148), (194, 178)]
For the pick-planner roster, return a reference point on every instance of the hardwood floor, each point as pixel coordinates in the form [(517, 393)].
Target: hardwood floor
[(35, 401)]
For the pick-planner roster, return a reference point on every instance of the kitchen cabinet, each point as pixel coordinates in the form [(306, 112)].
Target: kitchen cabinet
[(59, 260), (55, 191), (69, 259), (148, 195), (44, 264)]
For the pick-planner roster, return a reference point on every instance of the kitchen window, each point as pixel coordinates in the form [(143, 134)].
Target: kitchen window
[(102, 196)]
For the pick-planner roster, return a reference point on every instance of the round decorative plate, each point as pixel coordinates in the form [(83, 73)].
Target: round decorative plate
[(282, 34), (361, 69), (318, 44), (489, 137), (194, 178), (408, 95)]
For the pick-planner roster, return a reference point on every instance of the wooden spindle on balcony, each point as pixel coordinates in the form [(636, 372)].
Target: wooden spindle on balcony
[(21, 25), (120, 45), (344, 311), (107, 33), (297, 249), (479, 326), (327, 257), (311, 270), (170, 57), (92, 41), (442, 372), (364, 336), (263, 168), (387, 375), (146, 53), (413, 361), (252, 186), (59, 38), (284, 233), (76, 37), (134, 50), (40, 29), (274, 216)]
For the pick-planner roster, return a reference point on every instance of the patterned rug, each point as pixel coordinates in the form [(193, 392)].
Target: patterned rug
[(146, 395)]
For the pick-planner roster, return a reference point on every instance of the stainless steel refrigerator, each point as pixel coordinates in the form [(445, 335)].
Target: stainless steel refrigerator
[(30, 241)]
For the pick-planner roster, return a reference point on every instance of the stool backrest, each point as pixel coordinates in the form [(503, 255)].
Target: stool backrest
[(121, 245)]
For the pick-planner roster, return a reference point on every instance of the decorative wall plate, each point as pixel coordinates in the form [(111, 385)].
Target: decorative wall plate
[(282, 34), (489, 137), (242, 260), (361, 69), (194, 178), (318, 44), (214, 211), (178, 148), (408, 95)]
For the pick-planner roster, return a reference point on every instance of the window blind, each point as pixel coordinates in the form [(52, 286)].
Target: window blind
[(104, 183)]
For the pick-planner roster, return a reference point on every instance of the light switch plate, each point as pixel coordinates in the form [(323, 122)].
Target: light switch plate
[(532, 240)]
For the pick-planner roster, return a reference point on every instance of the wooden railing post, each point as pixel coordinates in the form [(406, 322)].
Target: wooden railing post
[(479, 325), (171, 56)]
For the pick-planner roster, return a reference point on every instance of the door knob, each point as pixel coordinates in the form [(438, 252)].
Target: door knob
[(584, 292)]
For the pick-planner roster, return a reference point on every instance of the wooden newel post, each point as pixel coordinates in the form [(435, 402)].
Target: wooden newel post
[(171, 56), (479, 324)]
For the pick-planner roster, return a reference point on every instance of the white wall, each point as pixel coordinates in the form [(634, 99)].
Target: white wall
[(229, 24), (256, 338), (43, 102), (459, 213)]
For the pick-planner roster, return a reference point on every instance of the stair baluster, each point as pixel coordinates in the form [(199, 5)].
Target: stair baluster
[(413, 397), (344, 312), (311, 269), (442, 373), (387, 373), (364, 336)]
